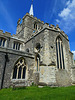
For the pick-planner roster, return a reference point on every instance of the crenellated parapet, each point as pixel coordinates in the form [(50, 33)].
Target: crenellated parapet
[(35, 18), (7, 34), (11, 41), (29, 26), (55, 28)]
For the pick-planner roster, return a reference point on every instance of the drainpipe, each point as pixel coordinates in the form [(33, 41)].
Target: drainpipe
[(6, 60)]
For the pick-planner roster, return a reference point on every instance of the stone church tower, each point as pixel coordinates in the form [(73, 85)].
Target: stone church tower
[(38, 53)]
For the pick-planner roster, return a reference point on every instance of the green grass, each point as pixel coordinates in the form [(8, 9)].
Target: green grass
[(35, 93)]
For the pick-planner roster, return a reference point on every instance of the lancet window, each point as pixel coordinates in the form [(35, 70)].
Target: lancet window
[(60, 54), (19, 71)]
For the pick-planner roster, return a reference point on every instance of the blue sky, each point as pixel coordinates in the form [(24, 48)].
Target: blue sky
[(61, 12)]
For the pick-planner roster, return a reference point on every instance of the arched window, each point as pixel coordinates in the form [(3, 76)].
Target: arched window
[(2, 42), (37, 61), (19, 70), (60, 54), (38, 46)]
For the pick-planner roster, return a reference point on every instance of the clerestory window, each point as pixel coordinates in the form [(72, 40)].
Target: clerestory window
[(2, 42), (16, 46), (19, 71), (60, 54)]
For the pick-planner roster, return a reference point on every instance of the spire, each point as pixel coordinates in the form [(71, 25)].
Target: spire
[(31, 9)]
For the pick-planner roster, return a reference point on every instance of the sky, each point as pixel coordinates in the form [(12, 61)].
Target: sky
[(61, 12)]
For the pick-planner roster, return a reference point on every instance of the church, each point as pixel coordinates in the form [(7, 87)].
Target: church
[(38, 53)]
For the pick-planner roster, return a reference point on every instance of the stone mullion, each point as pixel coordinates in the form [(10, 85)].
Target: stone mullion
[(22, 72), (5, 43), (18, 46), (17, 71), (2, 43), (61, 55)]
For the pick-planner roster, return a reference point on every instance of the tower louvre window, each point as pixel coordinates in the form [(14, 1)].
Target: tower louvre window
[(60, 54), (35, 26)]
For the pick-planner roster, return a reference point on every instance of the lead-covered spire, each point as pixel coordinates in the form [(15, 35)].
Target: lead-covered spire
[(31, 9)]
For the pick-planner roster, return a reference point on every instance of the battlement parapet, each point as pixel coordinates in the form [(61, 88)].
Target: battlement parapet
[(27, 14), (5, 34)]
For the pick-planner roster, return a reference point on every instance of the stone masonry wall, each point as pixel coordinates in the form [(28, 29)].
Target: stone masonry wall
[(13, 56), (47, 75), (47, 39), (2, 63)]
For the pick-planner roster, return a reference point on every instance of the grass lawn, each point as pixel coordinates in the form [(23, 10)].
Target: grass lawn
[(35, 93)]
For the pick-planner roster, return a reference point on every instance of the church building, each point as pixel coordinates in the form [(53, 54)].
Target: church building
[(38, 53)]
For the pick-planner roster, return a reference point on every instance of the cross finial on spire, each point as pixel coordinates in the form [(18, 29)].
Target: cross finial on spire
[(31, 9)]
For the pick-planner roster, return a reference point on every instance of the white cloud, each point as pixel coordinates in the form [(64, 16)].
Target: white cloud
[(65, 12), (57, 21), (71, 5), (67, 16), (69, 11), (68, 2), (74, 54)]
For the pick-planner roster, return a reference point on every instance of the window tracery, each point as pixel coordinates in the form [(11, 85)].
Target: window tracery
[(19, 70), (60, 54)]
